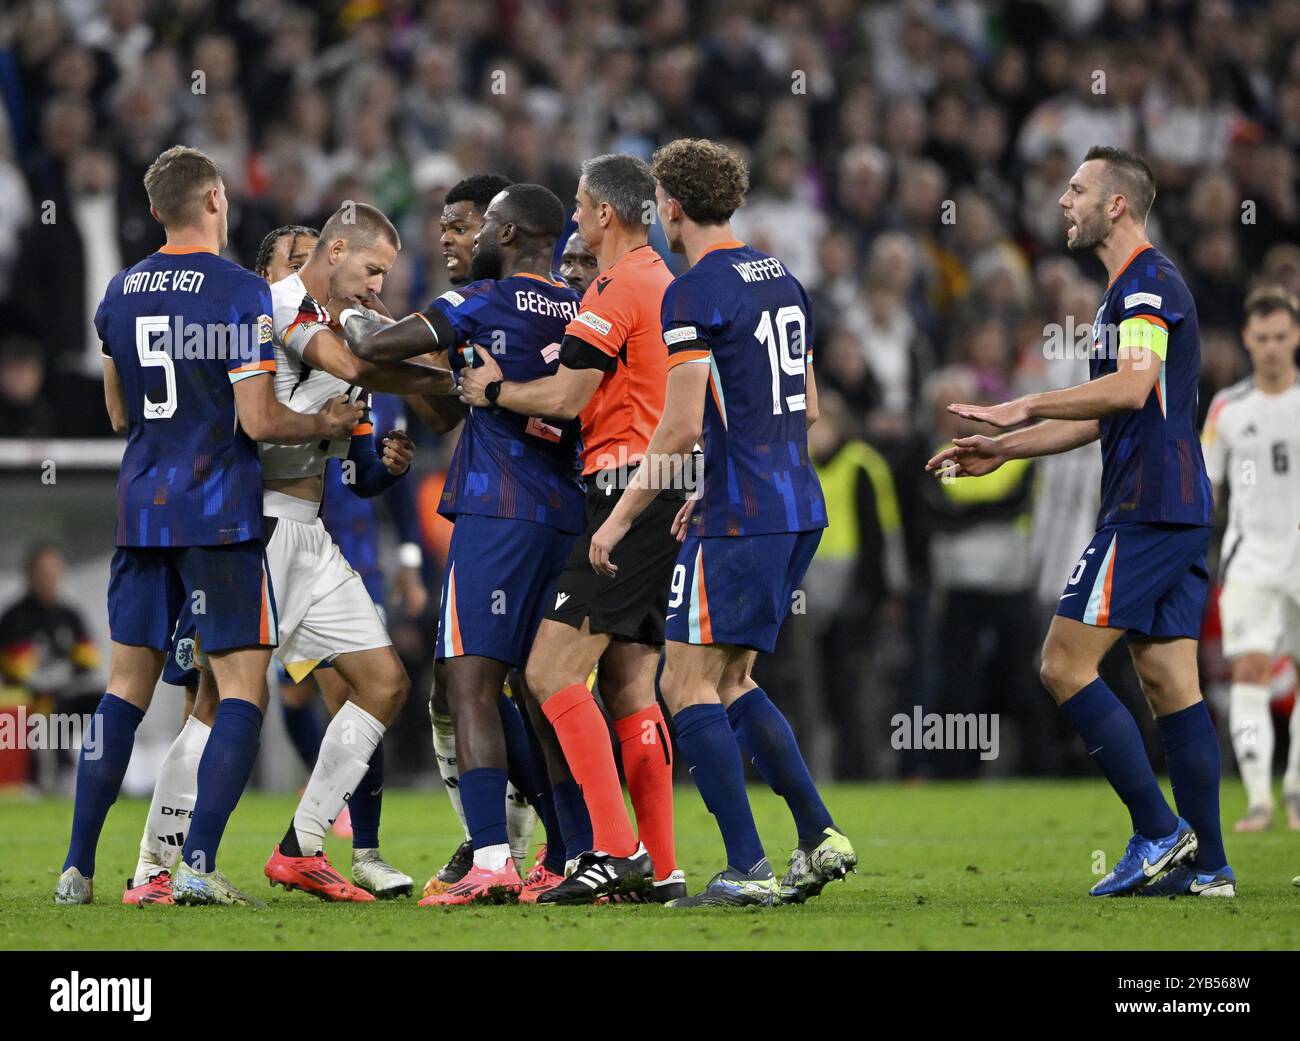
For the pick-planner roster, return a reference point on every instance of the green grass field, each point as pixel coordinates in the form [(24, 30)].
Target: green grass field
[(943, 866)]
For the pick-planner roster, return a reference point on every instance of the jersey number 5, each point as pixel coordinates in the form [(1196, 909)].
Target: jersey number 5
[(785, 353), (151, 357)]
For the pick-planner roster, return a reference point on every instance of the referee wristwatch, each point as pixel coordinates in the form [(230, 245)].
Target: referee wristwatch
[(493, 391)]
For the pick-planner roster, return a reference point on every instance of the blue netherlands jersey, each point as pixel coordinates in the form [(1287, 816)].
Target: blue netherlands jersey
[(740, 312), (505, 464), (1152, 468), (182, 328)]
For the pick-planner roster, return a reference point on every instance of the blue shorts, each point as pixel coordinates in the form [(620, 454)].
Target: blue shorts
[(1149, 579), (499, 578), (736, 589), (227, 587)]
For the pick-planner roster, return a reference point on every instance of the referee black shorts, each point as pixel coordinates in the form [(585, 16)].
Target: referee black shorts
[(630, 605)]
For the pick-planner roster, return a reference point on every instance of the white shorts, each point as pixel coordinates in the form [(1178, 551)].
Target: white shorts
[(1265, 621), (322, 606)]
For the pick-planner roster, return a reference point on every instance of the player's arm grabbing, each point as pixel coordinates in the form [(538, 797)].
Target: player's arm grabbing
[(671, 444), (327, 351), (373, 340), (264, 418), (561, 395)]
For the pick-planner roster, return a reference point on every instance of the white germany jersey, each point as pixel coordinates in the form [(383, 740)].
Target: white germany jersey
[(296, 319), (1251, 443)]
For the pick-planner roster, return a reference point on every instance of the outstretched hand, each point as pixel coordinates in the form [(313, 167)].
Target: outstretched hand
[(972, 456), (1007, 414)]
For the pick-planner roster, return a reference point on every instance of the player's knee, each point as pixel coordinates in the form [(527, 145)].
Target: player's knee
[(1062, 676), (390, 691), (542, 679)]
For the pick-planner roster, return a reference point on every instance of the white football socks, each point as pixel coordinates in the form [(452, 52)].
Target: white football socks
[(1252, 741), (493, 858), (344, 757), (521, 821), (444, 750), (170, 811)]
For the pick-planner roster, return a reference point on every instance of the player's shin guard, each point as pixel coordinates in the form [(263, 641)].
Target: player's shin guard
[(105, 752), (582, 734), (1251, 726), (444, 751), (1111, 735), (705, 739), (168, 823), (648, 764), (766, 740), (1192, 749), (224, 769), (366, 802), (350, 740), (521, 820)]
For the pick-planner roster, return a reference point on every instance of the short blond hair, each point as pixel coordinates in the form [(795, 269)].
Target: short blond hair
[(176, 183)]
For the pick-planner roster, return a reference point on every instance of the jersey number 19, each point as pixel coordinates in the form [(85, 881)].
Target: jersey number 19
[(785, 353)]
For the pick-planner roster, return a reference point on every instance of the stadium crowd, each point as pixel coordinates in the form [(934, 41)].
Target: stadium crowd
[(906, 160)]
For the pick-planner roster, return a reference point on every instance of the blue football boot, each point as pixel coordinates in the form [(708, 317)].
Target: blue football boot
[(1185, 880), (1145, 858)]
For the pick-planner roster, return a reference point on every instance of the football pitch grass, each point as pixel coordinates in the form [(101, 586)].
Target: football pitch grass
[(992, 866)]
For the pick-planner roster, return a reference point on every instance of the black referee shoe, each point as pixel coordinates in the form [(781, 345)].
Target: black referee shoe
[(600, 874)]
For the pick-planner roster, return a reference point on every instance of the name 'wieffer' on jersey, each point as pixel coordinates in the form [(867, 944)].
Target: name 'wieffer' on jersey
[(758, 270)]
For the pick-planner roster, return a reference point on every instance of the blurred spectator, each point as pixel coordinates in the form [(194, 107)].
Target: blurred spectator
[(24, 412), (980, 568), (46, 649)]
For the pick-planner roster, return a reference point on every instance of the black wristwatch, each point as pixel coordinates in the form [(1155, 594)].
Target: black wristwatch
[(493, 391)]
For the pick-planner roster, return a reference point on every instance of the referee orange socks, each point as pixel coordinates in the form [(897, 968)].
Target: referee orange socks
[(648, 764), (583, 736)]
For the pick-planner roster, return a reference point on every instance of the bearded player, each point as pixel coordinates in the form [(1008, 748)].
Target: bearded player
[(1143, 577)]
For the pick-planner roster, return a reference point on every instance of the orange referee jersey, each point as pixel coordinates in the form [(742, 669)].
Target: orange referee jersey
[(620, 315)]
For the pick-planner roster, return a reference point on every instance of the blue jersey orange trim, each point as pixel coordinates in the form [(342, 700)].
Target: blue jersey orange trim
[(728, 244), (1131, 257)]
